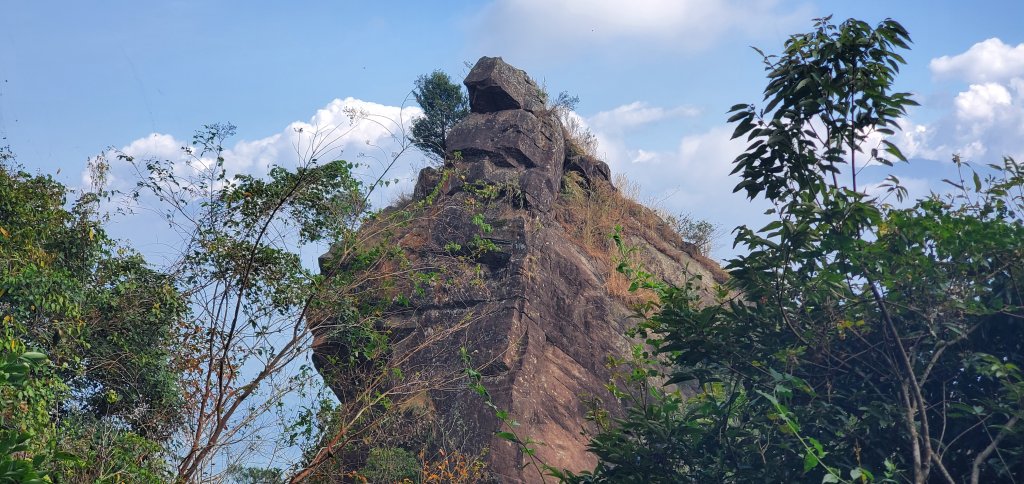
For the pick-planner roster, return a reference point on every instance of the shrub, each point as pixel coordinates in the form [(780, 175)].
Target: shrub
[(390, 464)]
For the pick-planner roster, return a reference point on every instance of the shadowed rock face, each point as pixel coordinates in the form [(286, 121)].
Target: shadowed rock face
[(539, 311)]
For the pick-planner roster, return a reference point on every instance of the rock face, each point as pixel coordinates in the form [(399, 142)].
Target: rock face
[(513, 238)]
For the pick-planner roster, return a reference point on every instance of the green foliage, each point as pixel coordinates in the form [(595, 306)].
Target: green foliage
[(253, 302), (102, 317), (19, 461), (322, 200), (107, 453), (255, 475), (857, 342), (444, 104), (701, 233), (391, 464), (128, 367), (826, 94)]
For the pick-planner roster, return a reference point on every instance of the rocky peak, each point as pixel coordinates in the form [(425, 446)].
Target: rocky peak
[(511, 241), (509, 137), (496, 86)]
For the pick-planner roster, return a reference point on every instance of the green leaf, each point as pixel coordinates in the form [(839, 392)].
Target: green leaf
[(817, 446), (810, 461), (34, 356), (509, 436)]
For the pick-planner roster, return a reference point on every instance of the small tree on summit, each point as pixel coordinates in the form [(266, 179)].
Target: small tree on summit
[(444, 104)]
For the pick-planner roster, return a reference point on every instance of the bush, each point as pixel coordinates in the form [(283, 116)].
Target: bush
[(391, 464)]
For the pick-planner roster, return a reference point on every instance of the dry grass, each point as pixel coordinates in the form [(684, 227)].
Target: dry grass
[(617, 286), (590, 214), (578, 137)]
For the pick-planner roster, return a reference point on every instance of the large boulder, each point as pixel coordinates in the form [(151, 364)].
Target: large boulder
[(589, 167), (514, 138), (495, 86), (509, 137)]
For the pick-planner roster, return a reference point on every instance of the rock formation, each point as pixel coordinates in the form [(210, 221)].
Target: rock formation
[(512, 240)]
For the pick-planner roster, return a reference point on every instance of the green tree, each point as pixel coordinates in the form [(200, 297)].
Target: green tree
[(444, 103), (856, 341), (251, 300), (254, 307), (104, 321)]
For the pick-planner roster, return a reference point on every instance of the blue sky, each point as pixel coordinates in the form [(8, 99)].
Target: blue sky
[(654, 78)]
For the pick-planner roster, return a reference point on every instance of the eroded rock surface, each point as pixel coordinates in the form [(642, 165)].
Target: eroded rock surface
[(514, 242)]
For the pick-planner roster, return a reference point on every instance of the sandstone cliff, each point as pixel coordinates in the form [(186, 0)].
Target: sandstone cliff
[(512, 242)]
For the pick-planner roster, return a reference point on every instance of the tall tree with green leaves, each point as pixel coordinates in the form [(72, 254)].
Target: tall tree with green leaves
[(444, 103), (256, 311), (87, 332), (244, 344), (856, 341)]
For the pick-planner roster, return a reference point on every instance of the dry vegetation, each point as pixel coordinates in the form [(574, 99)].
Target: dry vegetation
[(590, 213)]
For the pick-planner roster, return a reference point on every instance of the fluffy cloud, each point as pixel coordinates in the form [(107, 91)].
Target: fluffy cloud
[(535, 26), (360, 131), (370, 134), (982, 102), (637, 114), (990, 60), (986, 119)]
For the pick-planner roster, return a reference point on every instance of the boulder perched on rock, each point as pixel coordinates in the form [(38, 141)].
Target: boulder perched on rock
[(509, 136), (514, 274), (495, 86)]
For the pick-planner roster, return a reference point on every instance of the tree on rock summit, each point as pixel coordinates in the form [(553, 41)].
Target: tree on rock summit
[(444, 104)]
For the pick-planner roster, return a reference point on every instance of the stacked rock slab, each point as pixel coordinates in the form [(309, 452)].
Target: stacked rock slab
[(541, 321)]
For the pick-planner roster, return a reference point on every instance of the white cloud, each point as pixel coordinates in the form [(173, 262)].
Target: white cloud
[(157, 144), (985, 120), (561, 28), (914, 140), (636, 114), (643, 156), (360, 131), (989, 60), (982, 102), (938, 141)]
